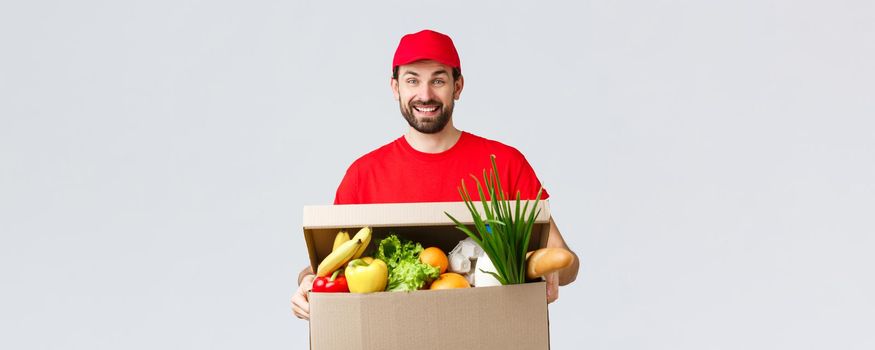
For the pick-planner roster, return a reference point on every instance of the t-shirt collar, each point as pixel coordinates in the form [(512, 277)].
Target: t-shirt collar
[(407, 148)]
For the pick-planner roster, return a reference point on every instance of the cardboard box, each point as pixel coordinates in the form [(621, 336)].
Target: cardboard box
[(502, 317)]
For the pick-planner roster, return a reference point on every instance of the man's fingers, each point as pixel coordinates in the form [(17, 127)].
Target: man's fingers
[(305, 305), (300, 306), (300, 313), (552, 287), (300, 300), (551, 297)]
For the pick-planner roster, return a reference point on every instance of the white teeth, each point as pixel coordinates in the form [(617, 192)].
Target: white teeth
[(422, 109)]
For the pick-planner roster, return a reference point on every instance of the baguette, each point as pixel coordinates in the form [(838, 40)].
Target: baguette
[(547, 260)]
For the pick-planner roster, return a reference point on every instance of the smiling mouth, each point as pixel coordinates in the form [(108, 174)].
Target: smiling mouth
[(425, 109)]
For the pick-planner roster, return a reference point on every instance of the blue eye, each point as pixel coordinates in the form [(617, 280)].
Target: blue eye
[(439, 82), (411, 81)]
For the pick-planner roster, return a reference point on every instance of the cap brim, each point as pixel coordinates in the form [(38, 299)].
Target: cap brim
[(411, 59)]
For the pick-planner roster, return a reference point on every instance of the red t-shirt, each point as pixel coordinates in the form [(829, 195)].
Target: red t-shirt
[(397, 173)]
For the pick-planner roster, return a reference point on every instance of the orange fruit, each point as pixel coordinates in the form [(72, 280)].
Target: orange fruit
[(450, 280), (434, 256)]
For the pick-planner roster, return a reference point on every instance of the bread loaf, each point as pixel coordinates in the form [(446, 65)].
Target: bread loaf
[(547, 260)]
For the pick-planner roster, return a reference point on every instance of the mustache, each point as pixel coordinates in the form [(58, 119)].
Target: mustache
[(426, 103)]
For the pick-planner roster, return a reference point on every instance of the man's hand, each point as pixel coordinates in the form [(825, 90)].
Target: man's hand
[(300, 303), (552, 287)]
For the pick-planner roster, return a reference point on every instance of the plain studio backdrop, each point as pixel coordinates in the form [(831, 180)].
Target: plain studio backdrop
[(712, 162)]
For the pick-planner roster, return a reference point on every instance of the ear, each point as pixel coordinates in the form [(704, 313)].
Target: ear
[(394, 84), (459, 84)]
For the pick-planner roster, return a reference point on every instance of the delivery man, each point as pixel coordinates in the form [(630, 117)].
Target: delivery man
[(428, 162)]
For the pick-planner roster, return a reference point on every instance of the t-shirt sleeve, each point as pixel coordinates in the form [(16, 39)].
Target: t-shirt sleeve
[(347, 191), (527, 182)]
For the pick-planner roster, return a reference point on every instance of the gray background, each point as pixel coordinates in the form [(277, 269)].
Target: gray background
[(711, 162)]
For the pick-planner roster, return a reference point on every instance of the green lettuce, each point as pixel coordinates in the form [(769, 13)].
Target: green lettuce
[(406, 272)]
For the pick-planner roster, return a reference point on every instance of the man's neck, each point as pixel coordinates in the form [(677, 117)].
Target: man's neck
[(433, 143)]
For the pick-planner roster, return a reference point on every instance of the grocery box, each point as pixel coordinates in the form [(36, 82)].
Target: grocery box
[(500, 317)]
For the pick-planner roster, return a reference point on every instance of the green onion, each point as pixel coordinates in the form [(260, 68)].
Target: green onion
[(503, 234)]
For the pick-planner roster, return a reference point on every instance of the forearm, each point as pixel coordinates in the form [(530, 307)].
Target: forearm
[(568, 274), (306, 271)]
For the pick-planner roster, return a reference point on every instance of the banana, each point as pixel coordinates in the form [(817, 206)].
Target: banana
[(338, 257), (341, 237), (365, 236)]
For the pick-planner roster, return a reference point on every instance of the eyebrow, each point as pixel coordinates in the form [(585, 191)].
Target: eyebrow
[(436, 73)]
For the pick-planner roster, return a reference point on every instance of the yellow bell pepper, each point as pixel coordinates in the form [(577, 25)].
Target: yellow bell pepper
[(366, 275)]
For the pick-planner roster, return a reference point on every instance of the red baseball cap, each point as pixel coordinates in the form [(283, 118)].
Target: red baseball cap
[(426, 45)]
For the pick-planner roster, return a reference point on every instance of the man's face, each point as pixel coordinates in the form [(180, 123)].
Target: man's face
[(425, 91)]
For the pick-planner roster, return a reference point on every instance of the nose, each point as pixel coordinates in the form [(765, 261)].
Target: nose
[(424, 92)]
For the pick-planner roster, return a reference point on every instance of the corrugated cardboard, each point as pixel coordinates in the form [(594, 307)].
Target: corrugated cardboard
[(503, 317)]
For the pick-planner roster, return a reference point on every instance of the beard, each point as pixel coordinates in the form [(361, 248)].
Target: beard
[(427, 125)]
